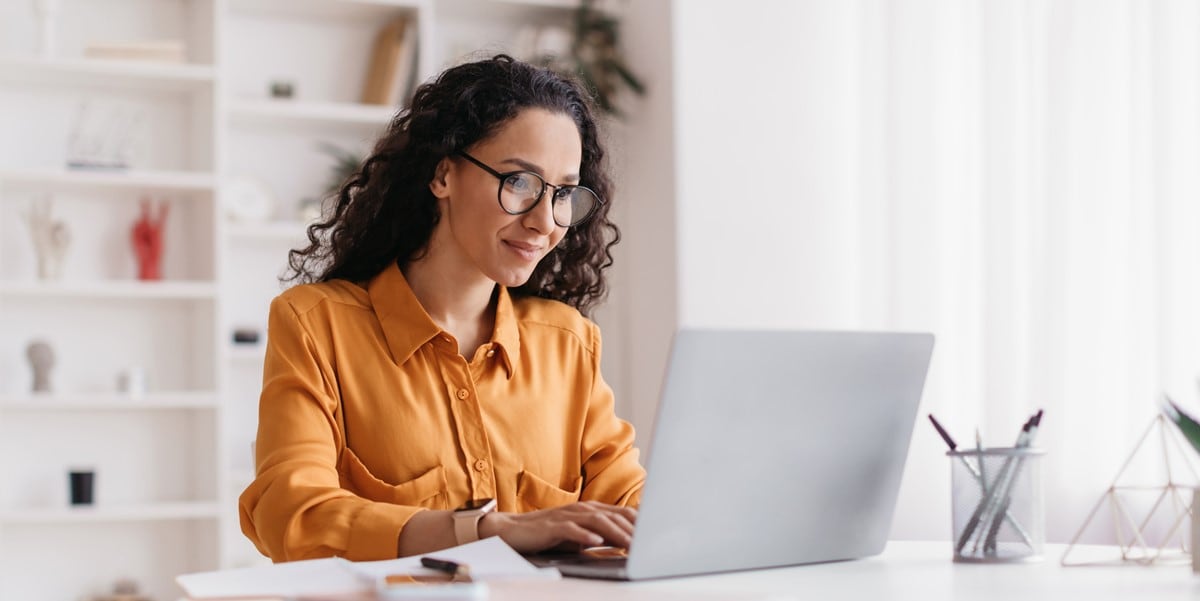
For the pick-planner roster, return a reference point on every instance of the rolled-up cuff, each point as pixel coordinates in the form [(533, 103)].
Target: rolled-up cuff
[(375, 531)]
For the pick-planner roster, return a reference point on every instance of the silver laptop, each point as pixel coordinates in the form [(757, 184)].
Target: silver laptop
[(771, 448)]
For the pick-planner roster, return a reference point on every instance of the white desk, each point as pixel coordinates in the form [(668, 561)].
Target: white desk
[(920, 571)]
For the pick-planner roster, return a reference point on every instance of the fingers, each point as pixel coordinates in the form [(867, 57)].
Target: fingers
[(613, 524), (587, 524)]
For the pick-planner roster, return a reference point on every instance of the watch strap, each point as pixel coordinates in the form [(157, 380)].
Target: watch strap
[(466, 522), (466, 527)]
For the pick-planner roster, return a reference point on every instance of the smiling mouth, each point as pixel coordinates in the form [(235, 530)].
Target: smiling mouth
[(528, 252)]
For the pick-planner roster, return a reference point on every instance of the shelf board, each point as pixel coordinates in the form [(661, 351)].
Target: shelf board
[(326, 9), (141, 512), (247, 353), (286, 231), (107, 401), (557, 4), (95, 72), (119, 289), (143, 180), (292, 112)]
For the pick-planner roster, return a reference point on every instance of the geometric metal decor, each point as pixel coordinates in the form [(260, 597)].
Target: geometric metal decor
[(1172, 504)]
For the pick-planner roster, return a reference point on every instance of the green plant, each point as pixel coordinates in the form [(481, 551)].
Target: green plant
[(595, 57), (345, 164), (1188, 426)]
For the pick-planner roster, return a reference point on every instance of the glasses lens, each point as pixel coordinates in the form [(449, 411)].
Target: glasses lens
[(520, 191), (573, 205)]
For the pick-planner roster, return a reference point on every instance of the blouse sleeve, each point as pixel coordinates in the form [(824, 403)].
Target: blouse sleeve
[(296, 507), (611, 470)]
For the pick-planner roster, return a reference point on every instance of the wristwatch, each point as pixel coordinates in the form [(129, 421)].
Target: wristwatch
[(466, 519)]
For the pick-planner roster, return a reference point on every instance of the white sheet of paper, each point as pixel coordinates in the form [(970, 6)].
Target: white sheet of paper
[(291, 579), (490, 559)]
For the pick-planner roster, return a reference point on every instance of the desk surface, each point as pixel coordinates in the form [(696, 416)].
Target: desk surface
[(918, 571)]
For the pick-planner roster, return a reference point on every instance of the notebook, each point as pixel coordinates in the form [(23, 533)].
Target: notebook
[(771, 448)]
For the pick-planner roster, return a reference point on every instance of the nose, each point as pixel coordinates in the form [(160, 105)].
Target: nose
[(541, 218)]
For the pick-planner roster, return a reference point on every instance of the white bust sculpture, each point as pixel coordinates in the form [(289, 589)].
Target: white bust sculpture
[(51, 238), (41, 359)]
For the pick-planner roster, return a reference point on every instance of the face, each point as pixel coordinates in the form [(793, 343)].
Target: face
[(475, 231)]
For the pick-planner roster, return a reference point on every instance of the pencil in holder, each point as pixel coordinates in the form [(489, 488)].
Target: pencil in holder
[(998, 506)]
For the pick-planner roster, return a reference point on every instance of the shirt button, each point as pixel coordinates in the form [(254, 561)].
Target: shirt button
[(481, 465), (463, 393)]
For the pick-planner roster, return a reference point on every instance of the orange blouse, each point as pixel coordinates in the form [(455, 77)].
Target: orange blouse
[(368, 415)]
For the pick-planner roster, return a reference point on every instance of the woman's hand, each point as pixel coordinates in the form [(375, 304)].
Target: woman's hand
[(587, 524)]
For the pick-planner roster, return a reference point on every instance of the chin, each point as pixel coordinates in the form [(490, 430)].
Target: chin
[(512, 279)]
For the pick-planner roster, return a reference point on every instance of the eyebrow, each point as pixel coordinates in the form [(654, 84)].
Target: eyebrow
[(527, 166)]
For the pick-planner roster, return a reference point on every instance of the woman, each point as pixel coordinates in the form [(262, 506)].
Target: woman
[(436, 363)]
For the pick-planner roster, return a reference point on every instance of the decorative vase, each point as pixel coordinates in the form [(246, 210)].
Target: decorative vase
[(47, 15)]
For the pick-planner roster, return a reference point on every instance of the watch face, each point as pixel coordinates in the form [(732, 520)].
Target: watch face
[(474, 504)]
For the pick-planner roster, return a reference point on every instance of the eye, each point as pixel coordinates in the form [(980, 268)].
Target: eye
[(564, 194), (522, 183)]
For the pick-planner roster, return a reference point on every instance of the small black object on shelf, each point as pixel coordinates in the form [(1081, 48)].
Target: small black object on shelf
[(83, 483), (245, 336), (282, 89)]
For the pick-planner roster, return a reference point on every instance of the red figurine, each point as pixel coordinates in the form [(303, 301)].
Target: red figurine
[(147, 238)]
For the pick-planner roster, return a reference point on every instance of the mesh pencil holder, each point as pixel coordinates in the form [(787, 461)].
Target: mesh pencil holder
[(998, 506)]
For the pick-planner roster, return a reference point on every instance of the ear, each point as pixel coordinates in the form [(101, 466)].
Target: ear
[(440, 184)]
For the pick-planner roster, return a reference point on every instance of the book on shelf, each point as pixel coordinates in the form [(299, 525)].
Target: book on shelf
[(392, 66), (167, 51)]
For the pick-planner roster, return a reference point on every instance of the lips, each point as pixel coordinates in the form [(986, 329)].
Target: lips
[(526, 250)]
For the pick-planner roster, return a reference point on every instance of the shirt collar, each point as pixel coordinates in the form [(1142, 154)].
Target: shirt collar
[(407, 327)]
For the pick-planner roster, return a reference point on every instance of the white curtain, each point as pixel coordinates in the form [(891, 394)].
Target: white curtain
[(1029, 191)]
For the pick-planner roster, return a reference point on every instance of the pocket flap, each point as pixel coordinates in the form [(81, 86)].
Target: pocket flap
[(426, 490), (535, 493)]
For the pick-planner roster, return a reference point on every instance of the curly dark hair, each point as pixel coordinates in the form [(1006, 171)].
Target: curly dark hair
[(385, 212)]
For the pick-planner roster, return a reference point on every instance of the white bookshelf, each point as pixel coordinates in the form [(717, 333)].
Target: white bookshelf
[(282, 231), (288, 112), (247, 353), (61, 178), (174, 460), (111, 73), (109, 401), (142, 512), (131, 290)]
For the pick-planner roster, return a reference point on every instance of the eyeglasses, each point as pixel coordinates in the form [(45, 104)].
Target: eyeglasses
[(521, 191)]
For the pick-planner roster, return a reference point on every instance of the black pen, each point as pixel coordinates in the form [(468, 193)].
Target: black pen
[(942, 431), (459, 572)]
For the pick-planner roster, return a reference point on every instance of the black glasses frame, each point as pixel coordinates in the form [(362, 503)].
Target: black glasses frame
[(558, 190)]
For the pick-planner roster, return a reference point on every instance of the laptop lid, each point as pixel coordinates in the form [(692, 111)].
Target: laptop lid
[(775, 448)]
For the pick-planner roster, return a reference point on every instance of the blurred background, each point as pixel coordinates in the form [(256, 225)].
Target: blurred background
[(1016, 176)]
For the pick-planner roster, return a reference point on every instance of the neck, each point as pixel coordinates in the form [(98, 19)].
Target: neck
[(454, 294), (448, 300)]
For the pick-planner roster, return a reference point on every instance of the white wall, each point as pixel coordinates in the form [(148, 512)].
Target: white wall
[(645, 274), (781, 173), (766, 127)]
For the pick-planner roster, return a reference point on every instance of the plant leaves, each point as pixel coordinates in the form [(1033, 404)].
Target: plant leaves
[(1188, 426)]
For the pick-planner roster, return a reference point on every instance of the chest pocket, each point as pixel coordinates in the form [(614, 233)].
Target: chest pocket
[(533, 493), (427, 490)]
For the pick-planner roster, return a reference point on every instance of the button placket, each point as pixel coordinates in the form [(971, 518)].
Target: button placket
[(472, 438)]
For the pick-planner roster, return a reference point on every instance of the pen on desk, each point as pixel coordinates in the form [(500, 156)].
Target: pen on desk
[(459, 572)]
